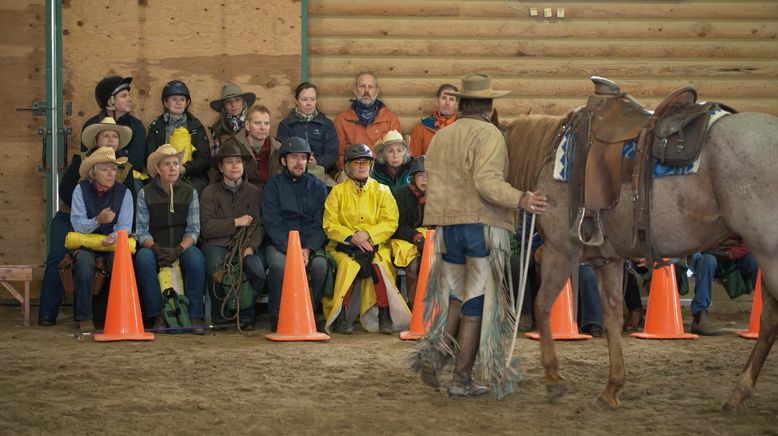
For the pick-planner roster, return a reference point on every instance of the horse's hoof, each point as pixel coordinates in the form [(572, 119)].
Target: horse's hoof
[(556, 391), (602, 404), (730, 408)]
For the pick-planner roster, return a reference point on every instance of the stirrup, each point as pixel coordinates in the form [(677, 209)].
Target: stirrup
[(598, 238)]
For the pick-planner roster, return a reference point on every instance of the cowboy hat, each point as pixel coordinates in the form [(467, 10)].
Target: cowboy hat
[(390, 137), (230, 90), (477, 86), (164, 150), (101, 155), (230, 148), (90, 132)]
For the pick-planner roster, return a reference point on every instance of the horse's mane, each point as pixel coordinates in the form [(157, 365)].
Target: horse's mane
[(531, 141)]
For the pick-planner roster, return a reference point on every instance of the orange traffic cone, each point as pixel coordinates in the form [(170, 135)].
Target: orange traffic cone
[(563, 324), (123, 320), (295, 320), (663, 315), (756, 311), (418, 328)]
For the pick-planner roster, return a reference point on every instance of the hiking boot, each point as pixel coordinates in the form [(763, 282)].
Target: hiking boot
[(197, 326), (385, 325), (702, 326), (248, 326), (634, 319), (594, 331), (45, 321), (463, 385), (340, 325), (86, 326)]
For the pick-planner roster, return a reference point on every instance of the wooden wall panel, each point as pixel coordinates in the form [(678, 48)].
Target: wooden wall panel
[(22, 189), (253, 44), (728, 49)]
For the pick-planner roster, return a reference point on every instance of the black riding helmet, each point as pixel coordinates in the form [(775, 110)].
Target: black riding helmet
[(417, 165), (176, 87), (294, 144), (110, 86), (358, 151)]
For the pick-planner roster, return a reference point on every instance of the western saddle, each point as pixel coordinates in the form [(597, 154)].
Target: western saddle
[(672, 134)]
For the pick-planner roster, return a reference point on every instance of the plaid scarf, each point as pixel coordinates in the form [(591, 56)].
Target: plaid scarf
[(303, 117), (442, 121), (366, 114), (173, 123)]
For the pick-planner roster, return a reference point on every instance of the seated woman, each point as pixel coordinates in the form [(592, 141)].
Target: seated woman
[(360, 215), (393, 161), (106, 133), (100, 205), (176, 101), (305, 121), (232, 106), (408, 241), (230, 212), (167, 226)]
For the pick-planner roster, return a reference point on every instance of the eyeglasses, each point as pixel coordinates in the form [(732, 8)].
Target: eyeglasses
[(361, 162)]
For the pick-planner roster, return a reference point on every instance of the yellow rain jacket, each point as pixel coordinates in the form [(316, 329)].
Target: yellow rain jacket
[(372, 208)]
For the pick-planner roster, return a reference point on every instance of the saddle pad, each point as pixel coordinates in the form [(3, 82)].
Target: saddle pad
[(563, 161)]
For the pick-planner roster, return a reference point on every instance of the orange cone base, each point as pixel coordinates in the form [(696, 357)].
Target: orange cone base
[(411, 336), (124, 337), (315, 336), (644, 335), (747, 334), (560, 337)]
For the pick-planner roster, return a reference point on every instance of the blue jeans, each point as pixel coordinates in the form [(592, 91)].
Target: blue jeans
[(589, 310), (276, 261), (84, 276), (253, 267), (51, 288), (705, 266), (465, 240), (193, 269)]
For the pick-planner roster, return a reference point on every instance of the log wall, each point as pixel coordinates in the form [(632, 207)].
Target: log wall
[(728, 49)]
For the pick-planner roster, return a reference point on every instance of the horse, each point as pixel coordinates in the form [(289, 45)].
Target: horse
[(732, 192)]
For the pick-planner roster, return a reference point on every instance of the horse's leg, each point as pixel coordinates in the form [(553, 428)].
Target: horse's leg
[(611, 276), (551, 285), (768, 329)]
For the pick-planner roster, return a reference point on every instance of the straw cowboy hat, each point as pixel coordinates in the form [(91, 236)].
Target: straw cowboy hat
[(230, 90), (101, 155), (477, 86), (390, 137), (164, 150), (90, 132)]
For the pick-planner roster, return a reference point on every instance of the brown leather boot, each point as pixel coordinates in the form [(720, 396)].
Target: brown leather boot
[(469, 337), (634, 317), (431, 369), (66, 269), (101, 275)]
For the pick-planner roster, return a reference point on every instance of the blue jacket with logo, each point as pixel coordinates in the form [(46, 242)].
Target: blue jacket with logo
[(319, 132)]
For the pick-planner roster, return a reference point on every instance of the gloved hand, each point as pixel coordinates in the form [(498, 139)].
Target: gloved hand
[(420, 244), (165, 256)]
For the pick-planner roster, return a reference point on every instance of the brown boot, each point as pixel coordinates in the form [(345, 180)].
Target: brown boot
[(431, 369), (66, 269), (86, 326), (634, 318), (702, 326), (469, 337), (385, 324), (101, 274)]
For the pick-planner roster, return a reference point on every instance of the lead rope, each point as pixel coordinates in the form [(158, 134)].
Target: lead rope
[(233, 260)]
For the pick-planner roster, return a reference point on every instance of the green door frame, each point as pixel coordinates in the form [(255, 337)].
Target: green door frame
[(55, 140), (304, 40)]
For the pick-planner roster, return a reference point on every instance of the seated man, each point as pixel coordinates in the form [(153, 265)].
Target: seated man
[(360, 216), (229, 215), (712, 264), (167, 226), (294, 200), (444, 114), (408, 241), (103, 134), (104, 206)]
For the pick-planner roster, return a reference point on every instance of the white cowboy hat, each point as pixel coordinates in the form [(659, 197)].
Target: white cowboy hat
[(101, 155), (164, 150), (390, 137), (477, 86), (90, 132)]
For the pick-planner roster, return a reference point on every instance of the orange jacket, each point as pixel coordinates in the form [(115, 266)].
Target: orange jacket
[(350, 131), (421, 136)]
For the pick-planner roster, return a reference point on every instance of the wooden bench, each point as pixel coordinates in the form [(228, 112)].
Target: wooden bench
[(18, 273)]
